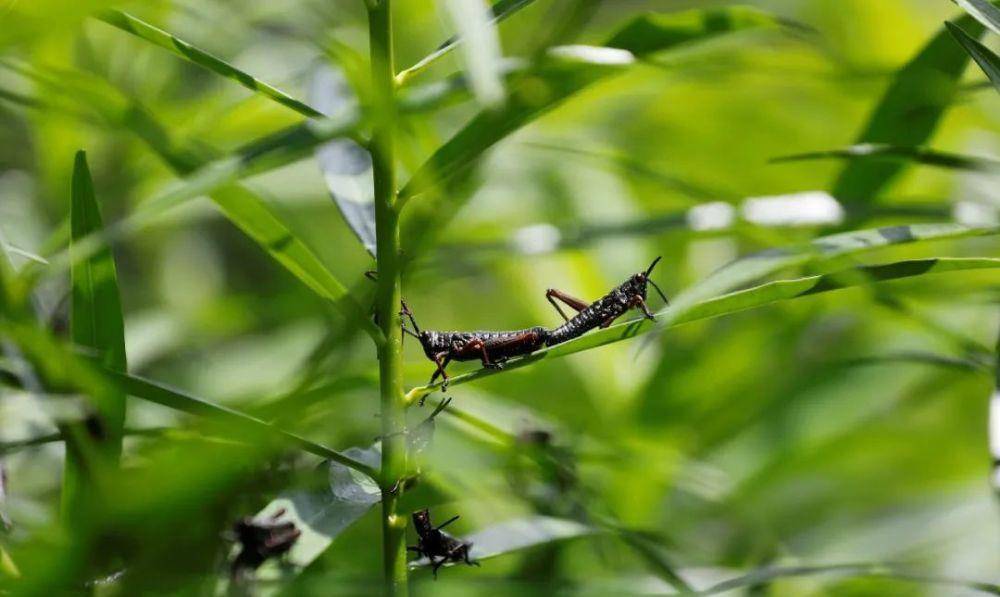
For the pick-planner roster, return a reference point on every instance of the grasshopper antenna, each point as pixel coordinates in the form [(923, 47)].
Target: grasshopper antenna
[(652, 265), (406, 311), (658, 291)]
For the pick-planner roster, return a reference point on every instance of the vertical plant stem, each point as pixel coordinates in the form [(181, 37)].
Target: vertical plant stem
[(388, 297)]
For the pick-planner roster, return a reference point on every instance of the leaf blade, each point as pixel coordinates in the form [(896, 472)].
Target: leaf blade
[(771, 292), (988, 61), (907, 115), (177, 46), (97, 325)]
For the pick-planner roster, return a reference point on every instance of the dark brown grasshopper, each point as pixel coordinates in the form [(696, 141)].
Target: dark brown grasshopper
[(604, 311), (491, 348), (261, 539), (434, 543)]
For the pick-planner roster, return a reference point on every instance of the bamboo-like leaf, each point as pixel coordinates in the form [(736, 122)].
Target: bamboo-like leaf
[(568, 71), (907, 115), (984, 57), (481, 54), (243, 207), (562, 74), (346, 166), (97, 325), (920, 155), (765, 576), (518, 534), (679, 313), (983, 11), (165, 396), (187, 51), (500, 11)]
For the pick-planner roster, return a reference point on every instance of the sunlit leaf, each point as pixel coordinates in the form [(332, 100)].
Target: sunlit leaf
[(982, 11), (321, 515), (907, 115), (499, 11), (984, 57), (481, 50), (679, 313), (189, 52), (563, 73)]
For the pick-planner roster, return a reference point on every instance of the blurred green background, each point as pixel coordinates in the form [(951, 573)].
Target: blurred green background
[(847, 427)]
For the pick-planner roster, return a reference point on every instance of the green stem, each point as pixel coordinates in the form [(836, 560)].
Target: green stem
[(387, 298)]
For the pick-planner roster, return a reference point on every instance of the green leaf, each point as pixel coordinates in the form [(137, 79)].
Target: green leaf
[(764, 576), (906, 116), (185, 50), (984, 57), (97, 326), (895, 153), (481, 56), (561, 74), (982, 11), (247, 210), (654, 32), (165, 396), (500, 11), (517, 534), (346, 165), (323, 514), (684, 312)]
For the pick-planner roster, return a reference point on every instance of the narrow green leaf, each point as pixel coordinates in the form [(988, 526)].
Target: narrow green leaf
[(185, 50), (982, 11), (518, 534), (570, 69), (653, 32), (165, 396), (880, 152), (984, 57), (346, 165), (907, 115), (245, 209), (97, 325), (564, 72), (679, 313), (765, 576), (481, 55), (500, 11)]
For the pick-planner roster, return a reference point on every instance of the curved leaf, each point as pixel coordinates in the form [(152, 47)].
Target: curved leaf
[(771, 292), (346, 166), (907, 115), (322, 515), (139, 28)]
